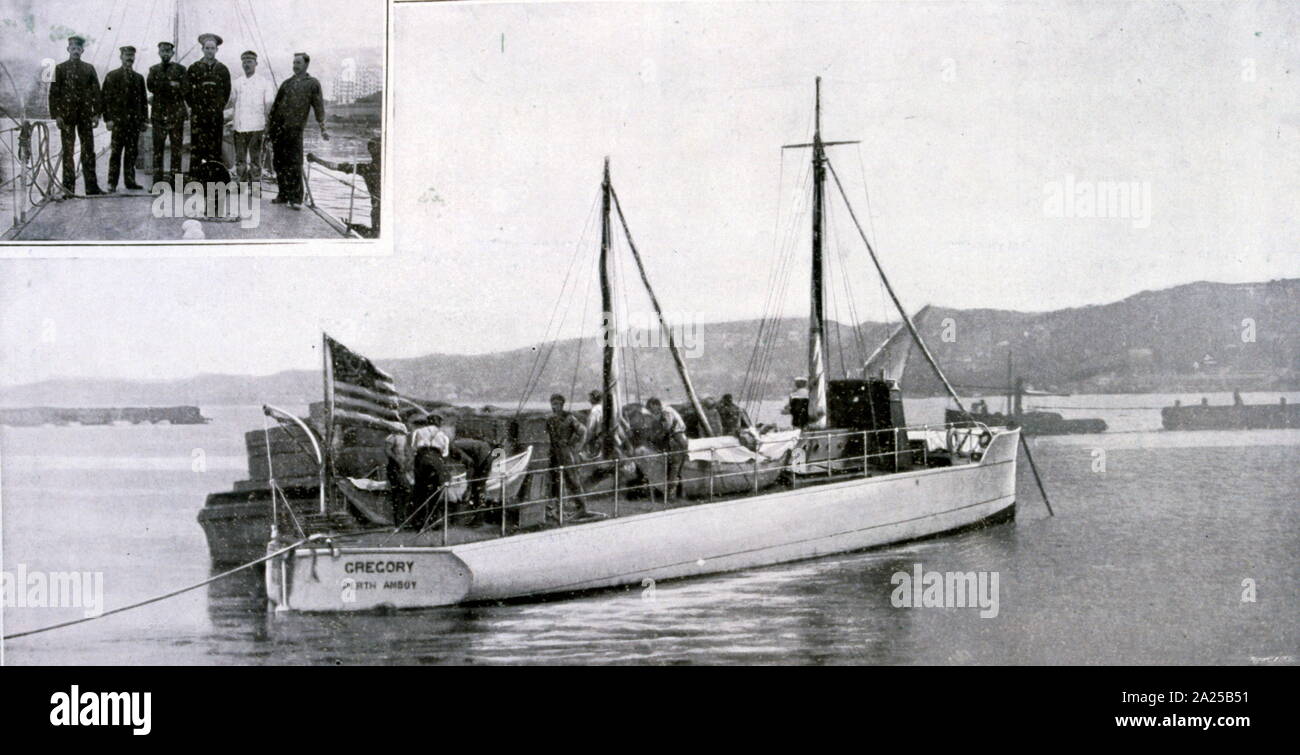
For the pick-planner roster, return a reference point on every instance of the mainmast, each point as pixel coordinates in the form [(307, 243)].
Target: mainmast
[(609, 370), (176, 27), (817, 318)]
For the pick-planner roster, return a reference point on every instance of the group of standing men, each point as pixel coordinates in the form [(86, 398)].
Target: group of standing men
[(418, 472), (658, 426), (200, 94)]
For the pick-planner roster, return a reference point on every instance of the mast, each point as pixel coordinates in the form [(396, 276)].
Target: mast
[(817, 318), (327, 376), (678, 361), (1010, 389), (609, 365), (176, 27)]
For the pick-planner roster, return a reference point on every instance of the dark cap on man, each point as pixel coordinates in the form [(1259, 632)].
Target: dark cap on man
[(79, 40), (126, 48), (168, 45), (203, 38), (248, 54)]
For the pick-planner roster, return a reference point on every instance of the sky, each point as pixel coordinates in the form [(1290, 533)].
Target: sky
[(972, 117)]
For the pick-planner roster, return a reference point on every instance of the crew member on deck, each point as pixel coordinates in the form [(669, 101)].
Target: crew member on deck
[(126, 109), (370, 173), (299, 95), (711, 414), (567, 436), (74, 103), (733, 418), (797, 407), (477, 457), (208, 80), (397, 450), (169, 87), (669, 437), (250, 102), (431, 447)]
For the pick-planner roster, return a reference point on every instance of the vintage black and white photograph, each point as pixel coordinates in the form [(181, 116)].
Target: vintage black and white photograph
[(713, 333), (175, 121)]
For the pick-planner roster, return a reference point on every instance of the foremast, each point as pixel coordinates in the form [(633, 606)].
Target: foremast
[(678, 360), (611, 393), (817, 413)]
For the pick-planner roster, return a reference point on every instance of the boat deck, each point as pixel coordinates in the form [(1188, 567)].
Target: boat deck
[(601, 505), (129, 216)]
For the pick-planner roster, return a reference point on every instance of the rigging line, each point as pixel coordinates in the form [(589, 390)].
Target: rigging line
[(564, 317), (152, 7), (584, 333), (269, 65), (828, 235), (246, 29), (117, 33), (781, 291), (627, 309), (780, 249), (773, 308), (871, 226), (167, 595), (925, 350), (846, 282), (529, 384), (678, 360)]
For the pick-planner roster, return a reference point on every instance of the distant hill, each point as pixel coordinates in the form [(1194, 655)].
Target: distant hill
[(1184, 338)]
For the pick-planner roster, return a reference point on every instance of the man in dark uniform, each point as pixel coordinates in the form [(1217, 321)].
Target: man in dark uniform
[(208, 81), (169, 87), (299, 95), (74, 103), (797, 406), (370, 173), (126, 108), (567, 436)]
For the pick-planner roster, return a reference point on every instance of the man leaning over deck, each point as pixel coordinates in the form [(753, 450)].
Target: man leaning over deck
[(370, 173), (431, 447), (299, 95), (169, 87), (669, 438)]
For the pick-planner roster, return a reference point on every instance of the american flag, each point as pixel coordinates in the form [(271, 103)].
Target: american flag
[(364, 395)]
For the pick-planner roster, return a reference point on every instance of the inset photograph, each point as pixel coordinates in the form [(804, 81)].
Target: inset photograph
[(191, 120)]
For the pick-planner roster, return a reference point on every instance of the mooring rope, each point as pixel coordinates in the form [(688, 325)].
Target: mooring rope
[(171, 594)]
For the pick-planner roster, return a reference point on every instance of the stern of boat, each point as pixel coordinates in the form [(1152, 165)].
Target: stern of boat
[(323, 577)]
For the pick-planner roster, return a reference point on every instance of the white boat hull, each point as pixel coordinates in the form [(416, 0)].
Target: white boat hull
[(771, 528)]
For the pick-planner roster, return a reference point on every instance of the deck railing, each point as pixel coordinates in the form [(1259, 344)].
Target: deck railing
[(962, 440)]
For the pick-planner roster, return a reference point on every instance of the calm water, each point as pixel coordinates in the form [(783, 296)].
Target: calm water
[(1143, 563)]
